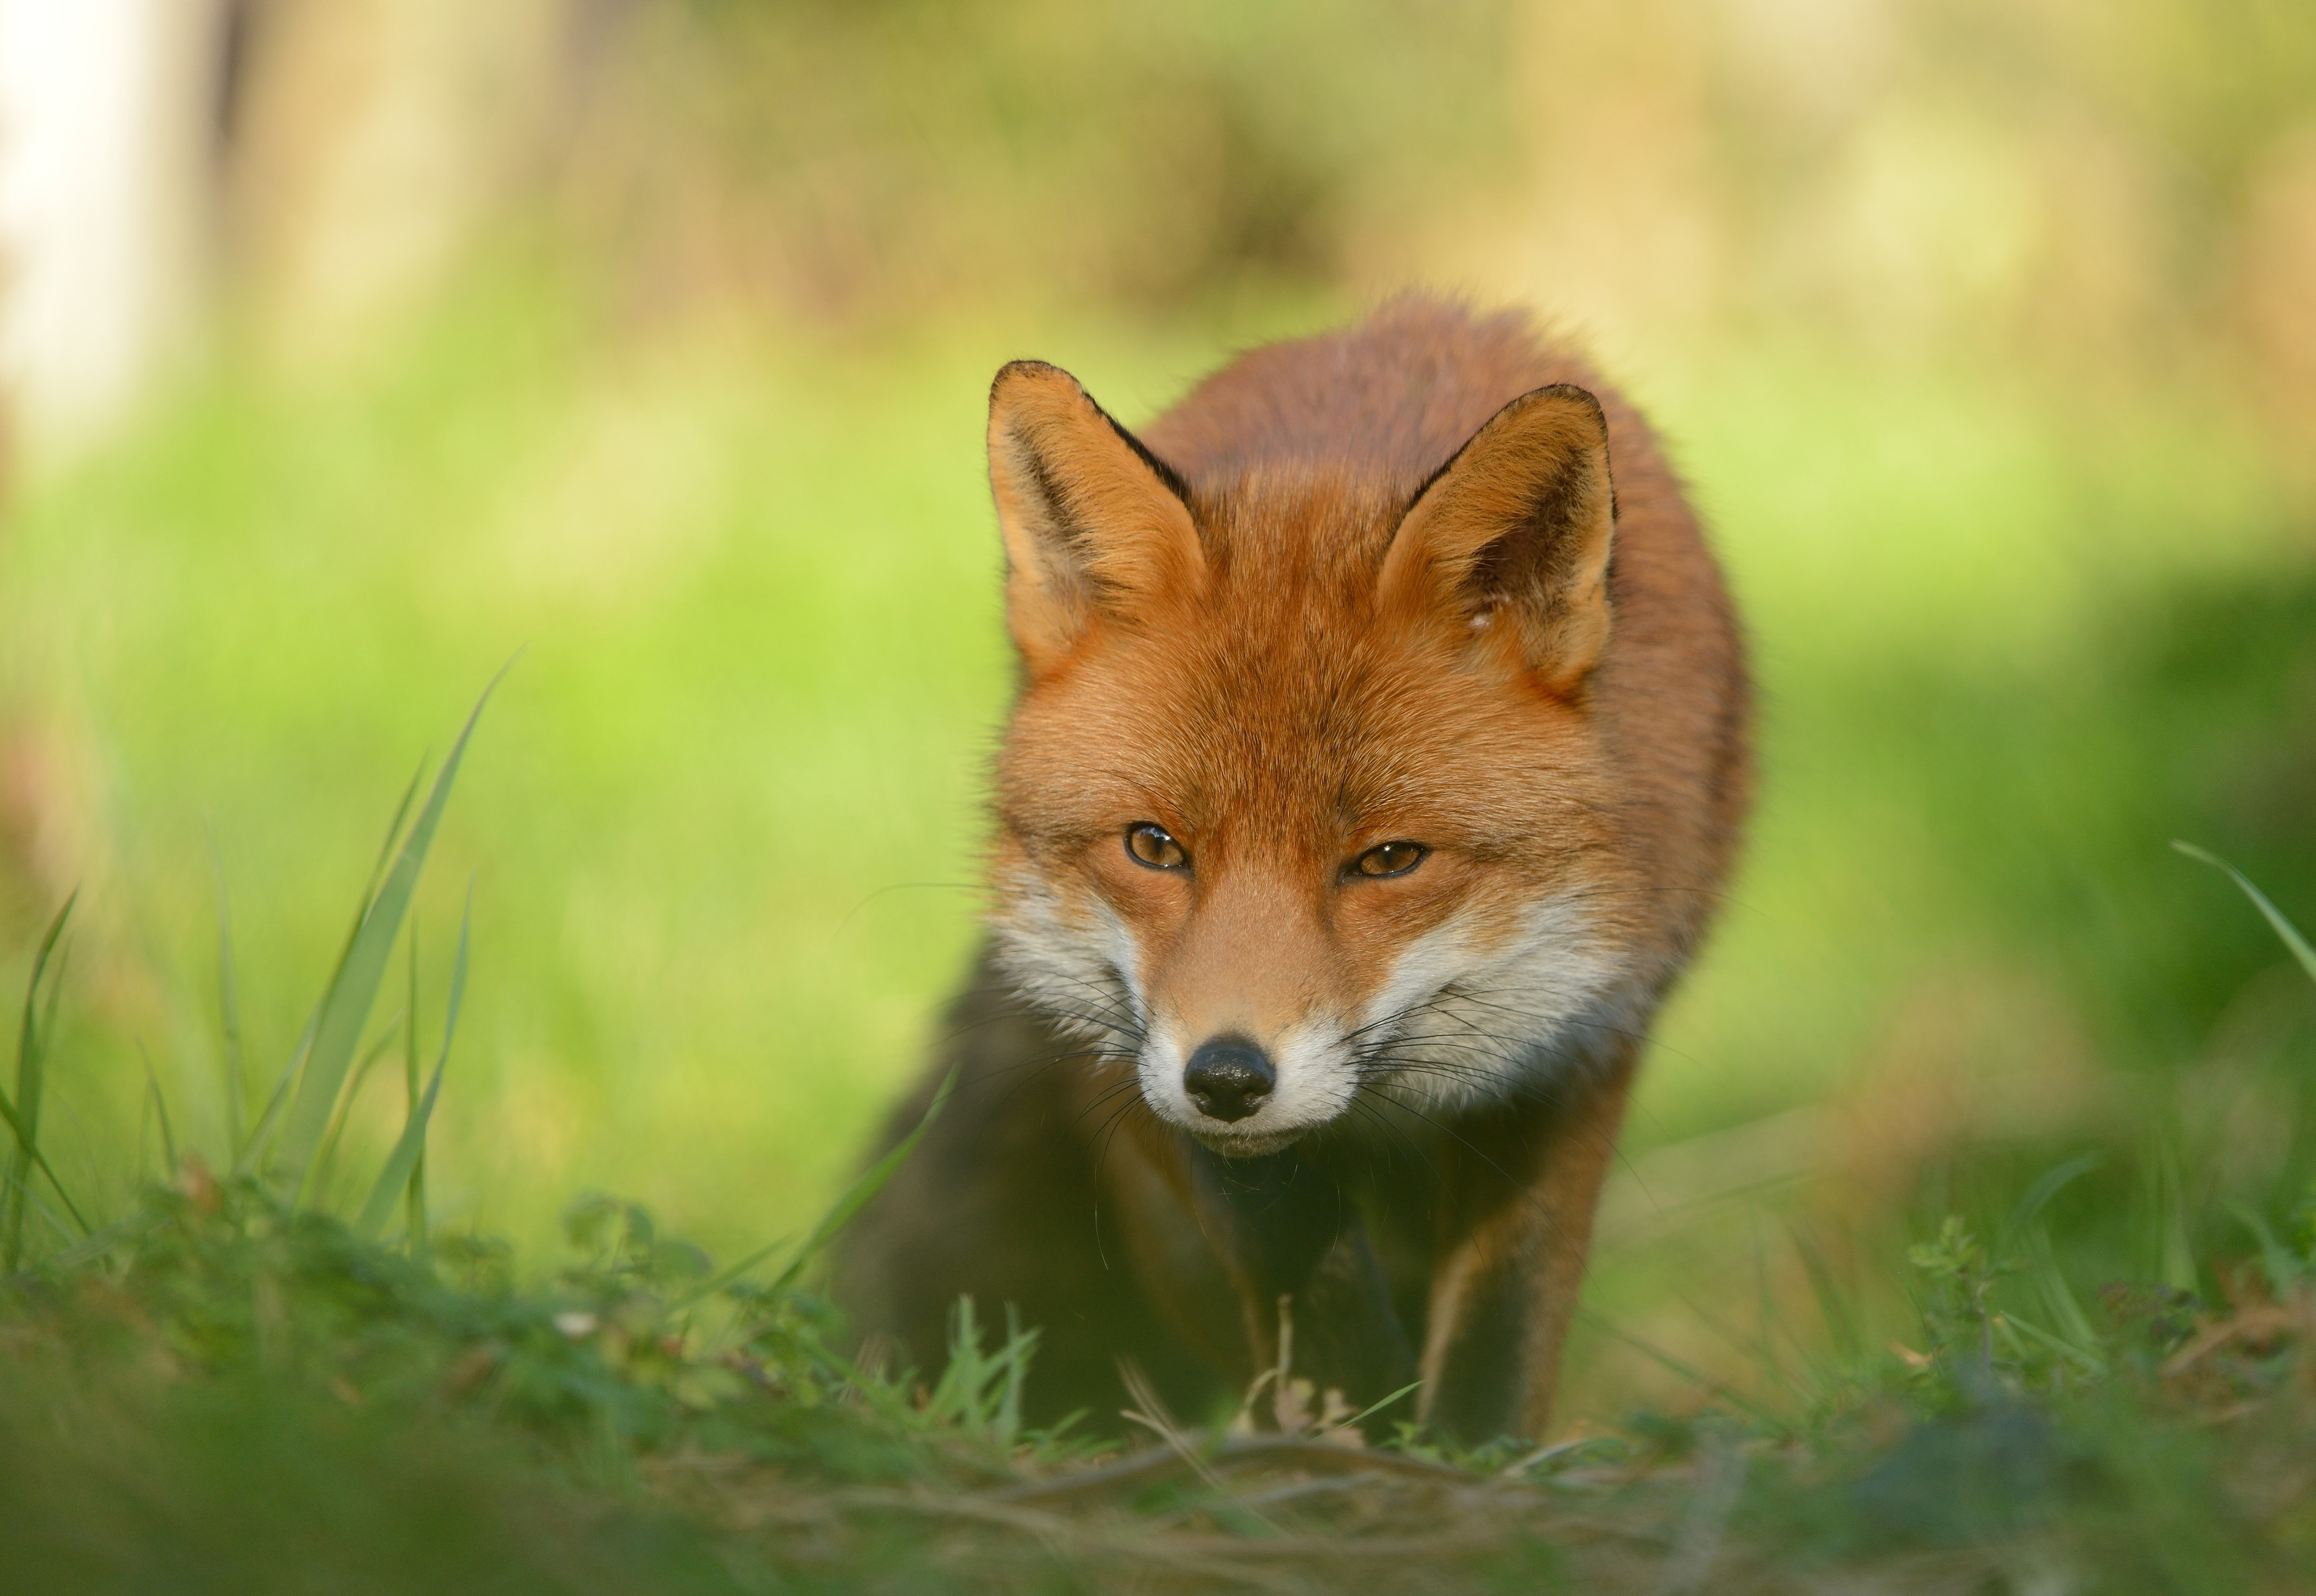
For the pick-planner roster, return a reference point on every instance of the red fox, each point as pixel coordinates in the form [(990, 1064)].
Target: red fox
[(1379, 753)]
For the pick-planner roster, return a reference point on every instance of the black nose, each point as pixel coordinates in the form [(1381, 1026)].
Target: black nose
[(1228, 1078)]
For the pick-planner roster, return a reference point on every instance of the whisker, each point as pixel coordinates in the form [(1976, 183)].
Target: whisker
[(1103, 1098)]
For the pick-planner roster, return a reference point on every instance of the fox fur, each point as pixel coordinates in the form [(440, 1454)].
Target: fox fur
[(1423, 589)]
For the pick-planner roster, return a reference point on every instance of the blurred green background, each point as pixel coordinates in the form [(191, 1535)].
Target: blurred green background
[(651, 338)]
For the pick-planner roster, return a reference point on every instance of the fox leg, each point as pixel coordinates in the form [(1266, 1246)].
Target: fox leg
[(1505, 1284), (1291, 1238), (1348, 1336)]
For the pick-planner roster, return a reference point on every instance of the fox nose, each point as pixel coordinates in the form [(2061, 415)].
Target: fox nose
[(1228, 1078)]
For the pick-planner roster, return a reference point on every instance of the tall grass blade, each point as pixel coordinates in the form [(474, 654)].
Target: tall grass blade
[(1832, 1303), (2082, 1358), (385, 848), (2058, 1296), (871, 1181), (160, 1112), (2175, 1265), (405, 1162), (23, 1115), (26, 1117), (393, 1180), (2039, 1196), (251, 1150), (1017, 1374), (1767, 1317), (1373, 1408), (346, 1004), (2284, 928), (96, 1243), (33, 1204), (414, 1220), (325, 1162)]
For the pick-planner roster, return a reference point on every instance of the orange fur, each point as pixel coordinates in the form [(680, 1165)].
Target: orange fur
[(1424, 582)]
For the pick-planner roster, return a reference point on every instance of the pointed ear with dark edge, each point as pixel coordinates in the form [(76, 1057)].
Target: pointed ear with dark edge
[(1095, 524), (1513, 534)]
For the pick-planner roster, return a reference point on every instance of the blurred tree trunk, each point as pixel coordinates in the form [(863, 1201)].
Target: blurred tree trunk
[(108, 115), (108, 144)]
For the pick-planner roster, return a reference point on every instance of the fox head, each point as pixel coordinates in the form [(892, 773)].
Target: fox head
[(1300, 799)]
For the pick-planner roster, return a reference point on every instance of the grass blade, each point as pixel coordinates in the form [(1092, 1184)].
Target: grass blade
[(2039, 1196), (161, 1112), (252, 1148), (403, 1163), (254, 1144), (2176, 1257), (393, 1180), (1017, 1374), (871, 1181), (2284, 928), (39, 1162), (1833, 1305), (2050, 1282), (2088, 1362), (346, 1005), (96, 1243), (1373, 1408), (414, 1224), (325, 1162), (26, 1118), (394, 830), (33, 1204), (23, 1115)]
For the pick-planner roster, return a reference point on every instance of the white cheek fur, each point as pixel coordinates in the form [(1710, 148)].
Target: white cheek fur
[(1316, 1078), (1159, 1070), (1065, 958), (1456, 1024)]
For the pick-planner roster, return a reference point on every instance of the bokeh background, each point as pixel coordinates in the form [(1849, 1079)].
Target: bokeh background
[(349, 346)]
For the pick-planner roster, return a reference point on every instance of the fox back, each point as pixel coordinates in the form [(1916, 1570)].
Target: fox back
[(1378, 757)]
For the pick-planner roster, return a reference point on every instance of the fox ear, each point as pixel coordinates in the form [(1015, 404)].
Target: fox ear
[(1094, 523), (1514, 532)]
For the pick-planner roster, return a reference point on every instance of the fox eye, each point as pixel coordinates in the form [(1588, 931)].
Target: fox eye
[(1150, 845), (1390, 859)]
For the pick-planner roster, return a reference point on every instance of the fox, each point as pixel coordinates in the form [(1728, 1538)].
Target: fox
[(1378, 757)]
